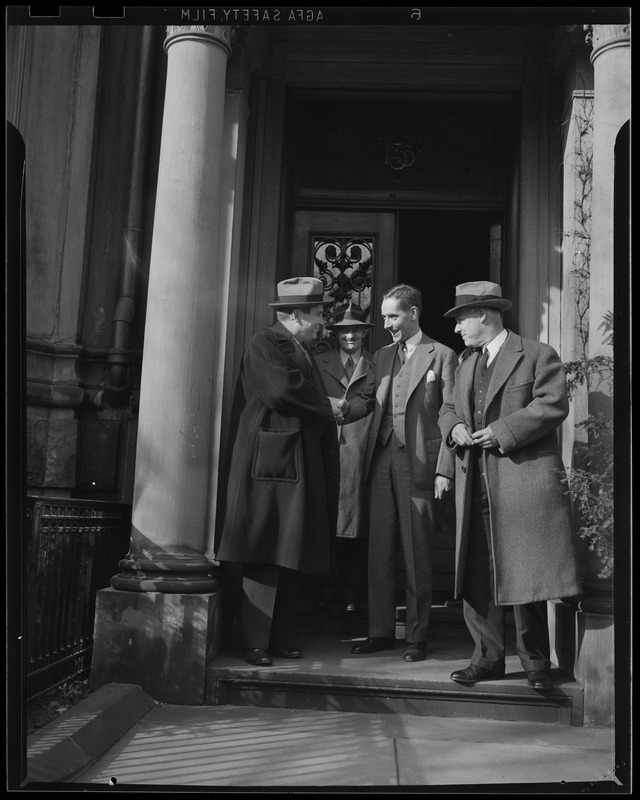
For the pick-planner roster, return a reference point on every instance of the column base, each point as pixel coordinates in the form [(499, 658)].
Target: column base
[(161, 642), (584, 644), (167, 573)]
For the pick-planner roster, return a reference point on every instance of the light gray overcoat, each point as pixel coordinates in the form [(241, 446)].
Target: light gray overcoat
[(532, 536), (353, 507)]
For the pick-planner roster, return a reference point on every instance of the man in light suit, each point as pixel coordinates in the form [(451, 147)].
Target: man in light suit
[(407, 466)]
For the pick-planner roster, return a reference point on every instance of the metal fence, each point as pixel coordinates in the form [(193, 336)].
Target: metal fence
[(73, 550)]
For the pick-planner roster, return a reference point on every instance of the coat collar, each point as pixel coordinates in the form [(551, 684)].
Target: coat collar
[(420, 361), (332, 363), (510, 355)]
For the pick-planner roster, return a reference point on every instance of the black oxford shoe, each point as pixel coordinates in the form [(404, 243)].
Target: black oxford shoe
[(473, 673), (373, 644), (285, 651), (416, 651), (257, 657), (539, 679)]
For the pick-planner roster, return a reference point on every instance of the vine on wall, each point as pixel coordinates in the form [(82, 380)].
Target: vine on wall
[(590, 483)]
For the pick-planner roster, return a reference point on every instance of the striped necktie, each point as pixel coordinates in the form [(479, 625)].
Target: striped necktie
[(349, 366), (305, 352)]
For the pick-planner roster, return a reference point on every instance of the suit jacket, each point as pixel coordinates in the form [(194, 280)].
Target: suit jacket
[(532, 537), (283, 484), (433, 368)]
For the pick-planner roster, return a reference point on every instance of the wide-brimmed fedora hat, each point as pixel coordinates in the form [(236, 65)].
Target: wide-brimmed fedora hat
[(297, 292), (478, 294), (350, 317)]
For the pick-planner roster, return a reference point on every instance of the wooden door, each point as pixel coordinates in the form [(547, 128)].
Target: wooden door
[(353, 253)]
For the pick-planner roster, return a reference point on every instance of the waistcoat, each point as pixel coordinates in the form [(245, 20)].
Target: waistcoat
[(481, 380), (393, 414)]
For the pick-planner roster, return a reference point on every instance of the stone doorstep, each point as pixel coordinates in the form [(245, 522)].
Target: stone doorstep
[(61, 749), (499, 700)]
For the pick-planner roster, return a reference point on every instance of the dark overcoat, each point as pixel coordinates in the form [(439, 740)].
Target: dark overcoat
[(353, 508), (283, 482), (532, 538)]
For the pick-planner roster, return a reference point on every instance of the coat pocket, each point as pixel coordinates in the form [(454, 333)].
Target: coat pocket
[(276, 456)]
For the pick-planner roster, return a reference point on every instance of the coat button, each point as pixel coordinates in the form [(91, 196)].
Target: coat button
[(464, 469)]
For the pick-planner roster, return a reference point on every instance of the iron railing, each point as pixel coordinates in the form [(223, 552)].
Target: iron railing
[(73, 549)]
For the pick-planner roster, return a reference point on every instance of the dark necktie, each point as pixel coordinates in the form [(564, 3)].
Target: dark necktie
[(349, 366), (402, 352), (485, 357)]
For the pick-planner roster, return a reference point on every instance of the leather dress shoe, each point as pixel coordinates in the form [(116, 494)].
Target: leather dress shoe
[(351, 608), (416, 651), (473, 673), (285, 651), (257, 657), (539, 679), (373, 644)]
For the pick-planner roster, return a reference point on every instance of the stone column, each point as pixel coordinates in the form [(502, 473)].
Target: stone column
[(611, 58), (594, 656), (159, 624)]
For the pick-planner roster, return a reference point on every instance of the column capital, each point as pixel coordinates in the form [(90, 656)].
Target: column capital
[(221, 35), (603, 37)]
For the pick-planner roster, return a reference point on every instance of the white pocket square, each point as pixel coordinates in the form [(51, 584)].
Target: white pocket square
[(431, 376)]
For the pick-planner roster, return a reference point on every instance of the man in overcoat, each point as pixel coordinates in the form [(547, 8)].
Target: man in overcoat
[(283, 483), (515, 544), (344, 369), (407, 467)]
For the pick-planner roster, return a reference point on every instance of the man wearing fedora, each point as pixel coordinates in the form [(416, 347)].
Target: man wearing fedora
[(283, 480), (407, 467), (344, 368), (514, 538)]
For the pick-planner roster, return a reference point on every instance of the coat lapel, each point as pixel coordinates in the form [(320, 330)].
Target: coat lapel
[(384, 369), (420, 361), (464, 381), (507, 360), (361, 370), (333, 365)]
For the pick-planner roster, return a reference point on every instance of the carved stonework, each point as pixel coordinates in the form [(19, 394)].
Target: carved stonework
[(221, 35), (601, 37)]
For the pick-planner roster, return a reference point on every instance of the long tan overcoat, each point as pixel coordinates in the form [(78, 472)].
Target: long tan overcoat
[(283, 482), (532, 538), (353, 507)]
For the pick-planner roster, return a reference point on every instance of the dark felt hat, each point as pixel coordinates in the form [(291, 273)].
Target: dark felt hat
[(350, 317)]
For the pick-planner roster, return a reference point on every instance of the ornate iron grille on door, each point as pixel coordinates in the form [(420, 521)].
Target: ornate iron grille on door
[(345, 266)]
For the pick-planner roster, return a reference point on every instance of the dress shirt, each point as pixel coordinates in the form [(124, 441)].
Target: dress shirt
[(412, 343), (355, 356), (495, 344)]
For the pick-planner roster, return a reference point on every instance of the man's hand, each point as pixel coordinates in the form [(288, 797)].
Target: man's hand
[(461, 435), (441, 486), (485, 438), (340, 408)]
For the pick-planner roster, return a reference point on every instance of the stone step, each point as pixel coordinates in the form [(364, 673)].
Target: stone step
[(330, 678)]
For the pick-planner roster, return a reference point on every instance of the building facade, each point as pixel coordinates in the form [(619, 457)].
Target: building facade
[(174, 173)]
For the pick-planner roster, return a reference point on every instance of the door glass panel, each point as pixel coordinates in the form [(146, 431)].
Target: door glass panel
[(345, 266)]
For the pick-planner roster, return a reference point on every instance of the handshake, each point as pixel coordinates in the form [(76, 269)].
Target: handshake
[(340, 409)]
